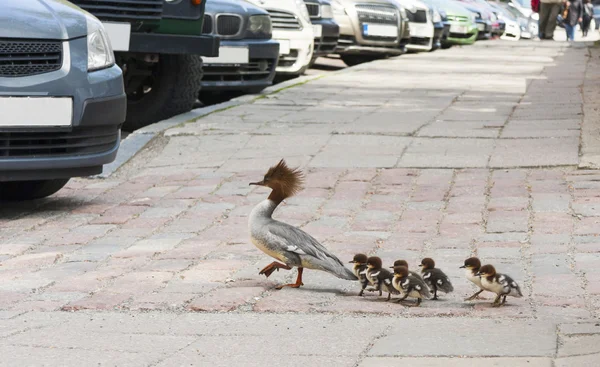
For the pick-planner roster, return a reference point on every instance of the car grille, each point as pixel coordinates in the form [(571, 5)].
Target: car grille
[(457, 18), (289, 59), (207, 24), (314, 10), (24, 58), (88, 140), (123, 11), (377, 14), (255, 70), (228, 25), (419, 41), (284, 20), (420, 16), (325, 45)]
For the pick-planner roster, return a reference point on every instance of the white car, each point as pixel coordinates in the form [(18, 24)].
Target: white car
[(293, 30), (420, 21)]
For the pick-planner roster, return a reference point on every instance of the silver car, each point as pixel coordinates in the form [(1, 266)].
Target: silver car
[(370, 29)]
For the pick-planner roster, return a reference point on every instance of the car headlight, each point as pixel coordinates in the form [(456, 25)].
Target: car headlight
[(259, 26), (100, 52), (326, 11), (301, 5), (337, 8), (435, 16)]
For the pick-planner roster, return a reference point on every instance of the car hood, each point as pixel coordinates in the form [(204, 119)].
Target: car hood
[(233, 7), (42, 19)]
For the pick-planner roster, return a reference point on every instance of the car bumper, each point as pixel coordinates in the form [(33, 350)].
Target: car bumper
[(352, 41), (259, 71), (300, 50), (421, 36), (330, 33), (81, 148), (484, 28), (512, 31)]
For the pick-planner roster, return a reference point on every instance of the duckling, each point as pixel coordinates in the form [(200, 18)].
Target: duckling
[(404, 263), (501, 284), (435, 278), (472, 266), (360, 265), (288, 244), (409, 286), (380, 278)]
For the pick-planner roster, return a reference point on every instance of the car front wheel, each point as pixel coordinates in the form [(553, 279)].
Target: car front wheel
[(30, 190)]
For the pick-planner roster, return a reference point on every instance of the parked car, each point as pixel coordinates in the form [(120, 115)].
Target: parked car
[(528, 26), (294, 32), (62, 97), (443, 27), (483, 18), (158, 45), (512, 30), (463, 23), (247, 54), (370, 29), (420, 23), (325, 29)]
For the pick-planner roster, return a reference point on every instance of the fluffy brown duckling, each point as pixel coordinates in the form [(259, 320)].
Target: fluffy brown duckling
[(501, 284), (435, 278), (359, 268), (409, 286), (472, 266), (379, 277), (404, 263)]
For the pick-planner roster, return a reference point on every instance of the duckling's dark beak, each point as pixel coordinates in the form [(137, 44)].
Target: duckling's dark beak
[(478, 274), (259, 183), (391, 267), (421, 265), (351, 262), (462, 267)]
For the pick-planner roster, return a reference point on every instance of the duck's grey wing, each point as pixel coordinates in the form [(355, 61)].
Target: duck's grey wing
[(442, 282), (309, 249), (510, 287)]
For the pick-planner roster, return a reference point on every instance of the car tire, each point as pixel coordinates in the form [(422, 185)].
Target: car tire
[(352, 60), (174, 86), (446, 46), (30, 190)]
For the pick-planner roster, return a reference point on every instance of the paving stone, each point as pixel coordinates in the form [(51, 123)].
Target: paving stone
[(456, 362)]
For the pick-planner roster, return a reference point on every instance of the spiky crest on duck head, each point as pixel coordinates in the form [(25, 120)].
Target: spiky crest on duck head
[(283, 180)]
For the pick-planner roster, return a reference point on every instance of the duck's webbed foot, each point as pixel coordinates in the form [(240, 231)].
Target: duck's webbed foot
[(298, 283), (269, 269)]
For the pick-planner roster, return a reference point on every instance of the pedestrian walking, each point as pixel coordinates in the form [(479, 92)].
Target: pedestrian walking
[(549, 10), (572, 15), (588, 14)]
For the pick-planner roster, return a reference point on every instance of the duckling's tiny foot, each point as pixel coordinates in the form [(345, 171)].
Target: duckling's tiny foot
[(495, 304), (435, 298)]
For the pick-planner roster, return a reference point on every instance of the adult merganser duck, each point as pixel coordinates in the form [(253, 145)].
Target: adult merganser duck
[(501, 284), (288, 244)]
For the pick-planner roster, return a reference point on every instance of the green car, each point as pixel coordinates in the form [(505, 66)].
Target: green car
[(463, 26)]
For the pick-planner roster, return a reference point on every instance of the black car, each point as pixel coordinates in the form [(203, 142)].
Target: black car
[(247, 54), (441, 27), (326, 30)]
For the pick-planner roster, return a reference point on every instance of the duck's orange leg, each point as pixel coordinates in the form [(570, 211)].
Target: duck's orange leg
[(294, 285), (269, 269)]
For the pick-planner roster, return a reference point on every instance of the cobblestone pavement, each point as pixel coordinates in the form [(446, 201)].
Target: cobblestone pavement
[(467, 151)]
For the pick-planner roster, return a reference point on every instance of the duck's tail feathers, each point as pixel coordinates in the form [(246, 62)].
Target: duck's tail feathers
[(343, 272)]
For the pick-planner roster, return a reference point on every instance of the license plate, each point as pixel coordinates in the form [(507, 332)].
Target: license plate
[(317, 30), (378, 30), (284, 47), (119, 34), (35, 111), (481, 26), (229, 55), (458, 29)]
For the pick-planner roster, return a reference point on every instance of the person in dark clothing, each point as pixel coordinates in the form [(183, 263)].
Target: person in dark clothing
[(574, 16), (588, 13)]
